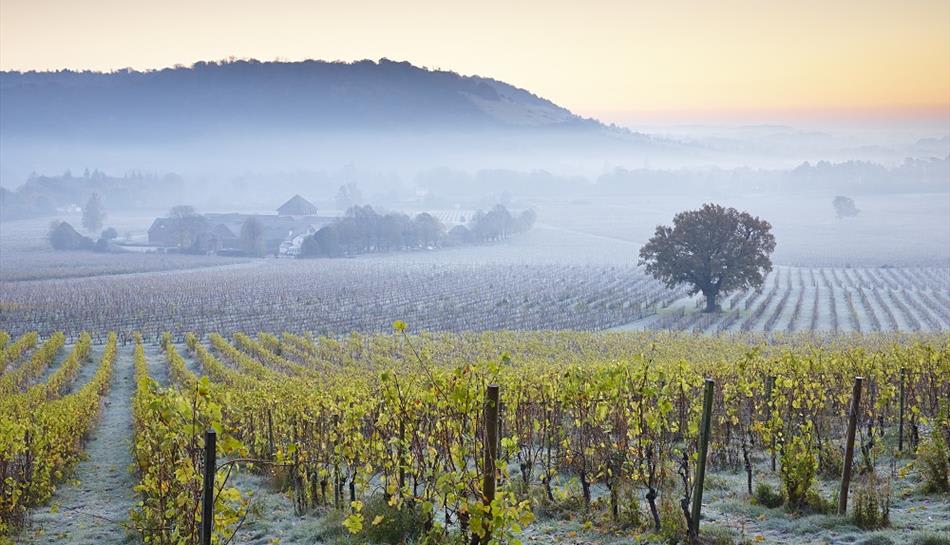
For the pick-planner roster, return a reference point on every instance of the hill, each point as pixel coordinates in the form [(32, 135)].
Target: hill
[(249, 94)]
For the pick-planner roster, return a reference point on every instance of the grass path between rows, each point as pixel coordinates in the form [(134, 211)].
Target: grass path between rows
[(271, 518), (92, 505)]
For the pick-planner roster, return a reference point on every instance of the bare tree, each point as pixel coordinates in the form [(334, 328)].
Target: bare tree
[(188, 224)]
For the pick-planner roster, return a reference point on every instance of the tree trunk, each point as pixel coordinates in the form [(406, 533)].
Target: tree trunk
[(585, 488), (711, 305), (651, 499)]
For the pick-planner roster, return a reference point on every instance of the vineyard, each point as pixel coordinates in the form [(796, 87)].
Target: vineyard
[(330, 296), (335, 297), (379, 438), (828, 299), (48, 264)]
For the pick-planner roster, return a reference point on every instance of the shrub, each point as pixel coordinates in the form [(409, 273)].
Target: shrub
[(672, 523), (877, 540), (631, 516), (393, 525), (817, 504), (718, 535), (62, 236), (331, 527), (382, 524), (872, 504), (831, 461), (933, 459), (929, 538), (766, 496), (567, 502), (798, 471)]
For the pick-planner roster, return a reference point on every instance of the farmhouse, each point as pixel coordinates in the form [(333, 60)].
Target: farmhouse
[(293, 245)]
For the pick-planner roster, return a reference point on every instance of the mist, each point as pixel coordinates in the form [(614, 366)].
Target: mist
[(237, 139), (620, 273)]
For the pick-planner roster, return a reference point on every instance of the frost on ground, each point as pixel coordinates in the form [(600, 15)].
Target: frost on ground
[(730, 516), (271, 518), (92, 505), (913, 517)]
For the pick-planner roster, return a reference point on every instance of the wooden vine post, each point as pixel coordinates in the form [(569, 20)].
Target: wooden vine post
[(207, 494), (705, 426), (270, 434), (491, 451), (900, 424), (769, 386), (849, 447), (402, 455)]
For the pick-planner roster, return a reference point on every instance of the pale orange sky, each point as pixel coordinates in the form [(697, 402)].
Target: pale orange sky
[(610, 59)]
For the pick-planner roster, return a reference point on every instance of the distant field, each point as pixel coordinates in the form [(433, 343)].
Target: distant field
[(338, 296), (25, 254), (824, 299), (49, 264)]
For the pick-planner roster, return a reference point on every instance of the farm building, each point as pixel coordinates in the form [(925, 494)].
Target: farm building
[(297, 206)]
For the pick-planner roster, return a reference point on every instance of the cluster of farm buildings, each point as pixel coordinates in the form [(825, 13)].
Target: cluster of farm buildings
[(282, 233)]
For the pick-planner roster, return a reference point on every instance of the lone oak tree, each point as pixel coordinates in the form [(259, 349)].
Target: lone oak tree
[(717, 250)]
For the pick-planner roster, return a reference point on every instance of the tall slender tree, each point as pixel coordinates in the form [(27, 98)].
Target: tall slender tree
[(252, 236), (93, 214)]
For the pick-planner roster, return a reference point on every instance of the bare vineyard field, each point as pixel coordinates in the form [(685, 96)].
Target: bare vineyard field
[(338, 296), (48, 264), (825, 299)]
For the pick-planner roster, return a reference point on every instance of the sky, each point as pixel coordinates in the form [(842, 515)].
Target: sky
[(623, 61)]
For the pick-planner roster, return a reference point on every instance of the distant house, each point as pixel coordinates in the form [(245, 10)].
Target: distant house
[(297, 206), (293, 244)]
